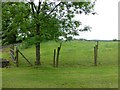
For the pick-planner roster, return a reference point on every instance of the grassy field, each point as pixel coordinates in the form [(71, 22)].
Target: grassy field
[(76, 68)]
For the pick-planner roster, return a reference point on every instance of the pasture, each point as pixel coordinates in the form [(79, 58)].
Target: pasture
[(76, 67)]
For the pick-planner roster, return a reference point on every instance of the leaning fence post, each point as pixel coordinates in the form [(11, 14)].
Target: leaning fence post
[(17, 57), (25, 58)]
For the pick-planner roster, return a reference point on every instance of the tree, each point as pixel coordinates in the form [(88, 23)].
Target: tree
[(36, 21), (64, 11)]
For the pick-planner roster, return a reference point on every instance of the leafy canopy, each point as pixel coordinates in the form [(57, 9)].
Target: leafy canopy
[(55, 19)]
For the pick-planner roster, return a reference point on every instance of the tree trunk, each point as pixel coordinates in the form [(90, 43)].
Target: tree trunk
[(38, 45), (38, 54)]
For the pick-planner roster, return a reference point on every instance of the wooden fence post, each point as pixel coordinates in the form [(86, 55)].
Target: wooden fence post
[(97, 45), (57, 58), (95, 55), (17, 63), (54, 57)]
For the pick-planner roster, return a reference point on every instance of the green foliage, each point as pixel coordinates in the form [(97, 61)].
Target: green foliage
[(14, 18), (50, 29), (115, 40), (54, 19)]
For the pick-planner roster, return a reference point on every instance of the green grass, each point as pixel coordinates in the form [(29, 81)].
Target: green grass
[(76, 68)]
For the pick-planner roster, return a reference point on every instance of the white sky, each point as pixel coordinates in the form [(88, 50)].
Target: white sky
[(105, 24)]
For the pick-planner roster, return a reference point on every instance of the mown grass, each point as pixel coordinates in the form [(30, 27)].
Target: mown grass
[(76, 68)]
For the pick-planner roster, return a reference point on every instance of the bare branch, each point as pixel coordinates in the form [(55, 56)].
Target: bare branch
[(45, 5), (35, 7), (31, 3), (54, 8), (38, 11)]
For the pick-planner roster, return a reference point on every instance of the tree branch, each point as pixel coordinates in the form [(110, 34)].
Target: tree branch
[(35, 7), (45, 5), (31, 3), (38, 11), (54, 8)]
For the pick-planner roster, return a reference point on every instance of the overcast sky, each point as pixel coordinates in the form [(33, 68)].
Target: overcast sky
[(105, 24)]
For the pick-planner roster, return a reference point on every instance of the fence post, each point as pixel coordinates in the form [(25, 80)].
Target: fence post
[(57, 58), (54, 57), (95, 55), (17, 57), (97, 45)]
